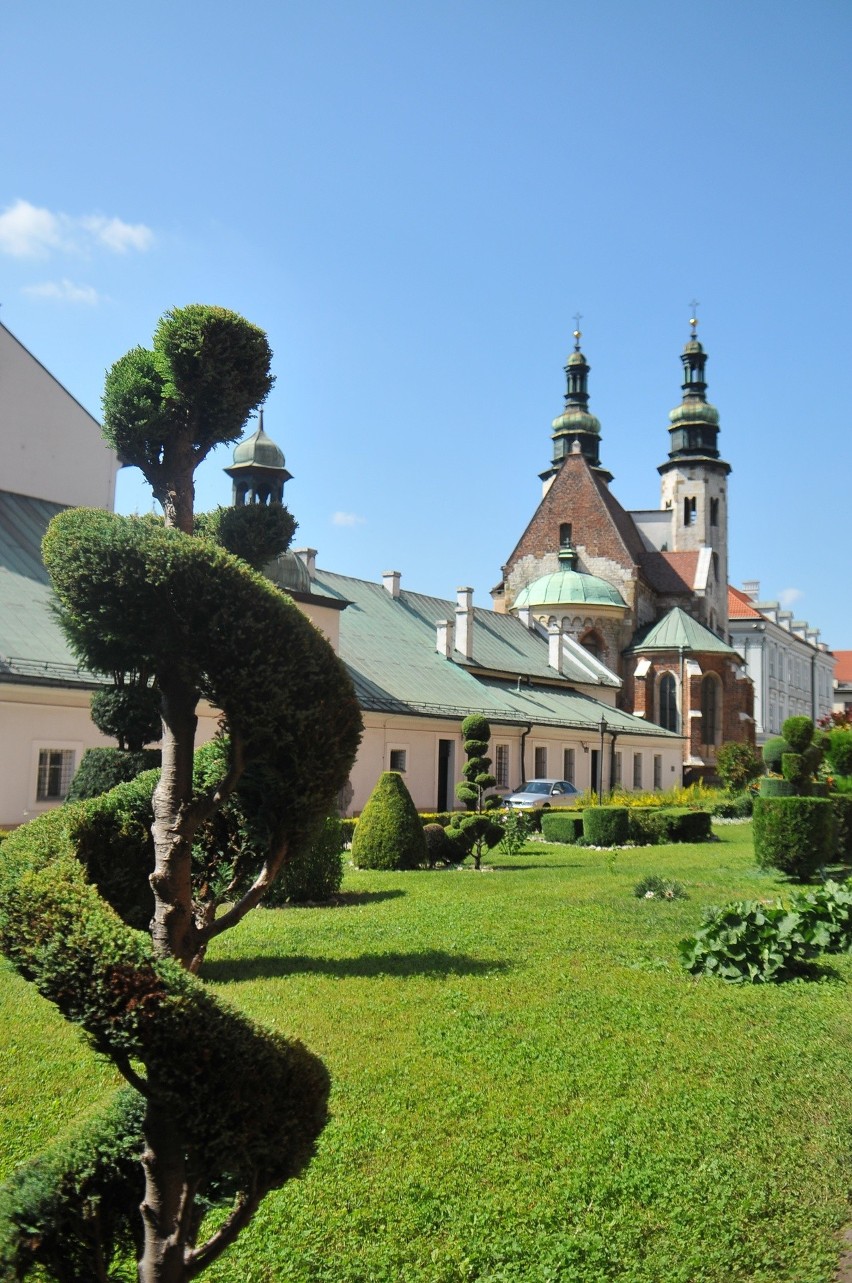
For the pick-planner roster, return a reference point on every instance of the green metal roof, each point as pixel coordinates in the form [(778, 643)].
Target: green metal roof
[(32, 645), (569, 587), (679, 631), (389, 646)]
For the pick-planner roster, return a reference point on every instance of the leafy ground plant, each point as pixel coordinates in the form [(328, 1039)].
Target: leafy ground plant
[(752, 941), (654, 887)]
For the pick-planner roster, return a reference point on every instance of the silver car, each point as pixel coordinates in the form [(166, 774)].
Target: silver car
[(543, 793)]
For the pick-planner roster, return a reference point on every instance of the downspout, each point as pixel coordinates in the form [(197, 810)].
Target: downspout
[(524, 752)]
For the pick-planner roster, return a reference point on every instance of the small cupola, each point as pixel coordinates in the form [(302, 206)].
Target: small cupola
[(258, 470)]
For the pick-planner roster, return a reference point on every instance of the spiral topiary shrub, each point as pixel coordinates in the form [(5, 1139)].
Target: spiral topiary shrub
[(389, 834), (797, 835), (605, 825)]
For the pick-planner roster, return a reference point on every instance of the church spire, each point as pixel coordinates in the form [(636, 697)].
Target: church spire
[(575, 423), (694, 423)]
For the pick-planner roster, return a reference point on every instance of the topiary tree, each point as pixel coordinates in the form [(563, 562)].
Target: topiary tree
[(389, 832), (138, 595), (796, 754), (839, 751), (476, 733), (737, 765), (474, 835)]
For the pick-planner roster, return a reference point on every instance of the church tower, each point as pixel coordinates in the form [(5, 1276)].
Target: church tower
[(575, 424), (694, 485)]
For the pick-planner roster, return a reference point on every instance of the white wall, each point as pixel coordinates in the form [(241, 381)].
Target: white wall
[(38, 717), (52, 447)]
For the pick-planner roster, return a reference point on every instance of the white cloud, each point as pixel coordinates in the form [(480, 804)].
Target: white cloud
[(347, 519), (117, 235), (65, 291), (26, 231), (789, 596), (29, 232)]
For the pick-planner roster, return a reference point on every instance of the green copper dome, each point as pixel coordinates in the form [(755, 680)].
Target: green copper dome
[(577, 421), (694, 412), (568, 588), (259, 450), (289, 572)]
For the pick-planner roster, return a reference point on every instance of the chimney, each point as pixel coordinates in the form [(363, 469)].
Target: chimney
[(751, 588), (526, 617), (445, 643), (554, 647), (464, 621), (309, 557), (390, 579)]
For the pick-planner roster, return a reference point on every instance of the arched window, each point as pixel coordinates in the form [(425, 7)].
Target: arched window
[(593, 643), (711, 709), (667, 695)]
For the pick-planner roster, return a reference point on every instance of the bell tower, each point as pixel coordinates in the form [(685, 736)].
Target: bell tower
[(694, 485), (258, 470)]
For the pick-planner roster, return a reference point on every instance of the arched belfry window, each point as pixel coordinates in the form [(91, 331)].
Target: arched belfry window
[(711, 709), (667, 697), (690, 515)]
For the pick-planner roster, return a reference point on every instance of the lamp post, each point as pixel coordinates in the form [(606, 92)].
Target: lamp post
[(603, 725)]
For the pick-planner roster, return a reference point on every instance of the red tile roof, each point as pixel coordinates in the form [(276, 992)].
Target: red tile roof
[(843, 665), (739, 605)]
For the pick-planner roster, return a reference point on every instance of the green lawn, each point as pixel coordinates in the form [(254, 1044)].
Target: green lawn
[(527, 1086)]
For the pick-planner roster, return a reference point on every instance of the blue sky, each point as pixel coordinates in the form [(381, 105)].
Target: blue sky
[(414, 200)]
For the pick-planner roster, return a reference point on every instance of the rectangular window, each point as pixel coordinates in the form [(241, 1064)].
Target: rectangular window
[(568, 765), (501, 765), (637, 770), (616, 771), (55, 772), (771, 661), (398, 759), (541, 763), (658, 771), (714, 512)]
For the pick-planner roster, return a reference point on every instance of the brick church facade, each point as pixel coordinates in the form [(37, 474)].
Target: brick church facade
[(646, 592)]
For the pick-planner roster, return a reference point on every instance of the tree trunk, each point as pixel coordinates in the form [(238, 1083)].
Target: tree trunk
[(166, 1209), (173, 929)]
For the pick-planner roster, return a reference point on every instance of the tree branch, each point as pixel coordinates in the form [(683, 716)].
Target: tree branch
[(253, 896), (122, 1064), (208, 803), (244, 1209)]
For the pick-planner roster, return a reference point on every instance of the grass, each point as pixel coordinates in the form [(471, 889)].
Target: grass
[(527, 1087)]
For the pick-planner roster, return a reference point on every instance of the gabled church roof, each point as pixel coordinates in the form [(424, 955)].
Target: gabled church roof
[(579, 495), (679, 631)]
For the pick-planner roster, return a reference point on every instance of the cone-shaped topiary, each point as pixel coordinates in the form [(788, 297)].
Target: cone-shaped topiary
[(389, 834)]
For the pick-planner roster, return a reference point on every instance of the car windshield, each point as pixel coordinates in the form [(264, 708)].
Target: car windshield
[(536, 786)]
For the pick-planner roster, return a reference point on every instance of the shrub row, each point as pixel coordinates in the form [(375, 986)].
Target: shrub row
[(617, 825)]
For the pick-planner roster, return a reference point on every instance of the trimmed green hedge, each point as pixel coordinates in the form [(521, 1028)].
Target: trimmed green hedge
[(316, 874), (797, 835), (389, 834), (650, 826), (562, 826), (842, 806), (101, 769), (770, 787), (605, 825)]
